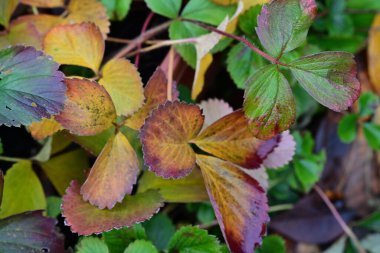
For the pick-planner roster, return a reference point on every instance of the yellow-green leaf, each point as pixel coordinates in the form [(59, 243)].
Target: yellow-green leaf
[(7, 7)]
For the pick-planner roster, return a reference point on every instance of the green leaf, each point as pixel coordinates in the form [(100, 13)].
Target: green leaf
[(339, 24), (1, 147), (92, 245), (141, 246), (22, 190), (367, 104), (372, 222), (159, 230), (283, 25), (329, 77), (7, 7), (363, 4), (372, 135), (248, 20), (205, 213), (31, 87), (193, 239), (118, 239), (117, 9), (309, 170), (271, 244), (167, 8), (242, 63), (347, 128), (53, 206), (269, 102), (30, 232)]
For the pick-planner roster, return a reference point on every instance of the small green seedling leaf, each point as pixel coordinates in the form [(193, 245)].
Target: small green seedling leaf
[(271, 244), (119, 239), (372, 135), (92, 245), (117, 9), (347, 128), (141, 246), (367, 104)]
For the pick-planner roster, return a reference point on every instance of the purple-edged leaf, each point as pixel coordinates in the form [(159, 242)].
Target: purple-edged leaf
[(239, 202), (31, 87), (269, 103), (283, 24), (329, 77), (30, 232)]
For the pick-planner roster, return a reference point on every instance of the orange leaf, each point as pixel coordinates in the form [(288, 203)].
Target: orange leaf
[(155, 93), (86, 219), (88, 11), (44, 3), (44, 128), (113, 174), (231, 139), (79, 44), (88, 109), (239, 202), (123, 82), (165, 139)]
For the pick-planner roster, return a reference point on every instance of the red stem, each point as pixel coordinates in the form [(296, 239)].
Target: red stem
[(143, 30)]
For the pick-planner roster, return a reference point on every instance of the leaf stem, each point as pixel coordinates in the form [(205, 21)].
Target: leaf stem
[(12, 159), (339, 219), (143, 30), (170, 74), (238, 38)]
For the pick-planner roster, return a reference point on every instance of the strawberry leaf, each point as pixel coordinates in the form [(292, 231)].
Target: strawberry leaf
[(283, 25), (167, 8), (165, 139), (269, 103), (329, 77), (239, 202), (31, 87), (86, 219)]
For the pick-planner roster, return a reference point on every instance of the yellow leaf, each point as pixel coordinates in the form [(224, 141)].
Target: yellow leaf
[(113, 174), (79, 44), (44, 3), (88, 11), (42, 22), (200, 72), (22, 33), (7, 7), (247, 3), (374, 54), (123, 82), (44, 128)]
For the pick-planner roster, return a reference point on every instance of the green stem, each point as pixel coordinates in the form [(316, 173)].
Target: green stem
[(12, 159), (279, 208)]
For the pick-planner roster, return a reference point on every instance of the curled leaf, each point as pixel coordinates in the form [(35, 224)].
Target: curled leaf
[(165, 139), (86, 219), (88, 109)]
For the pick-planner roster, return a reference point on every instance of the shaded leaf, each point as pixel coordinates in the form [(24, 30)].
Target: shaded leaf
[(44, 128), (85, 219), (1, 186), (141, 246), (44, 3), (113, 174), (347, 128), (248, 20), (372, 135), (188, 189), (30, 232), (117, 9), (214, 109), (269, 103), (165, 139), (123, 82), (91, 245), (239, 202), (159, 230), (7, 7), (193, 239), (94, 144), (30, 86), (329, 77), (371, 243), (118, 239), (62, 169), (272, 243), (53, 208), (22, 190), (167, 8), (202, 66), (283, 25), (230, 139), (77, 44), (41, 22), (21, 33), (155, 93), (88, 109), (44, 154), (368, 102), (371, 222)]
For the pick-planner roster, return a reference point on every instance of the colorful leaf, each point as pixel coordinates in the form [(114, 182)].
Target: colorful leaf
[(193, 239), (30, 232), (165, 139), (30, 86), (141, 246), (123, 82), (214, 109), (231, 139), (92, 11), (86, 219), (113, 174), (169, 9), (78, 44), (62, 169), (91, 245), (44, 128), (283, 153), (88, 109), (155, 93), (7, 7), (22, 190), (283, 25), (239, 202), (44, 3), (329, 77), (184, 190)]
